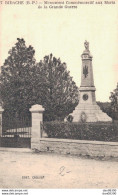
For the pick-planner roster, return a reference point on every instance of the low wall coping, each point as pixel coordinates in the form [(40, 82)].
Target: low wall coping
[(79, 141)]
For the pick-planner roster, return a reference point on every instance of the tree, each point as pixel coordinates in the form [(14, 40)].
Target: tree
[(23, 82), (114, 103), (59, 93), (16, 79), (105, 107)]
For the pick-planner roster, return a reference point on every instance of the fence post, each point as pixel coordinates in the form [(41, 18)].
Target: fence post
[(37, 118), (1, 111)]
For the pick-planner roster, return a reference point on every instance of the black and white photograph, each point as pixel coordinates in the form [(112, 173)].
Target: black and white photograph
[(58, 96)]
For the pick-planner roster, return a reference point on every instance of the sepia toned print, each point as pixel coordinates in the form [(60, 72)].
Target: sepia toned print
[(58, 94)]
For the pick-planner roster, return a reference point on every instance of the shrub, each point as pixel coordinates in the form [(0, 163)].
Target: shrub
[(82, 131)]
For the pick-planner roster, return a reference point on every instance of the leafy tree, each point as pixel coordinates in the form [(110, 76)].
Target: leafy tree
[(16, 79), (24, 83), (114, 103), (111, 108), (105, 107), (59, 93)]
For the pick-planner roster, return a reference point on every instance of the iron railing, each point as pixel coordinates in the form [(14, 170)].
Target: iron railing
[(16, 127)]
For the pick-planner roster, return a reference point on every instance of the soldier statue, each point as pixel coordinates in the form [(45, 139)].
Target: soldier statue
[(86, 44)]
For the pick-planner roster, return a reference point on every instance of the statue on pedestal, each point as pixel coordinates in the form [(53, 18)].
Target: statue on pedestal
[(87, 110), (86, 44)]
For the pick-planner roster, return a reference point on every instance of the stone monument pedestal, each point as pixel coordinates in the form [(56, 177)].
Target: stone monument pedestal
[(87, 109), (89, 113)]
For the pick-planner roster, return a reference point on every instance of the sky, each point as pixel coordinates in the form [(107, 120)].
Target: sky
[(62, 32)]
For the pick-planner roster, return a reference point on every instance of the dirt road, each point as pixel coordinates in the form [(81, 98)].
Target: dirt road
[(39, 170)]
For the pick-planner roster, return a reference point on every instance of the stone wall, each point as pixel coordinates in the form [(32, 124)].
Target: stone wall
[(79, 147)]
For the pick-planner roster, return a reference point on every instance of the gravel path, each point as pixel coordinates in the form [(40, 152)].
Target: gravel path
[(39, 170)]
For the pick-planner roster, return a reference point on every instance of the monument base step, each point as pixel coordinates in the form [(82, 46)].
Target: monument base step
[(91, 112)]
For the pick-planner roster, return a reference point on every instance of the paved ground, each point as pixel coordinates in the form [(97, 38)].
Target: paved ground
[(55, 171)]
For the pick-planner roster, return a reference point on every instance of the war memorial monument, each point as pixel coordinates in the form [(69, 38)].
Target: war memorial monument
[(87, 110)]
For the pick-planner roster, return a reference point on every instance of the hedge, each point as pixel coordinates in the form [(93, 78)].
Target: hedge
[(82, 131)]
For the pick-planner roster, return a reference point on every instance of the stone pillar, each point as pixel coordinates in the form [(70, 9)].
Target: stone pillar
[(37, 118), (1, 111)]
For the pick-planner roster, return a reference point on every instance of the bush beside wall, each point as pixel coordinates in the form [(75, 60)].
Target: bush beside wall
[(82, 131)]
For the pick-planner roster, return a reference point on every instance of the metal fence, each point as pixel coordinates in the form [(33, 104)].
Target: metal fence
[(16, 131), (16, 126)]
